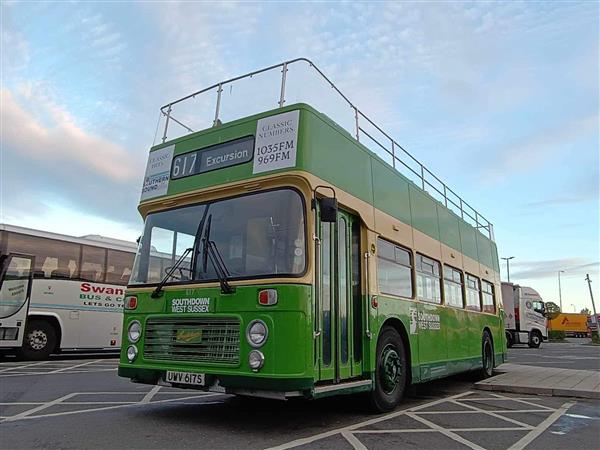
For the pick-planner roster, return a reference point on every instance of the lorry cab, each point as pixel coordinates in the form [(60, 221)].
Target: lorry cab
[(525, 315)]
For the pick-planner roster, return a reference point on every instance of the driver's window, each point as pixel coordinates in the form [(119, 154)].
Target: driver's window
[(538, 307), (167, 246)]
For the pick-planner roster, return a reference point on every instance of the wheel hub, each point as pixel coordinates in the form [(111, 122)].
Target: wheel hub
[(37, 339), (391, 369)]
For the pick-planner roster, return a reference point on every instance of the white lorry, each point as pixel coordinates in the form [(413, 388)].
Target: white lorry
[(524, 315)]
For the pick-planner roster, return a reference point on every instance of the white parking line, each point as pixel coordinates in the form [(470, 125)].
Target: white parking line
[(24, 414), (497, 416), (150, 394), (308, 440), (350, 432), (445, 432), (76, 365), (22, 374), (353, 440), (24, 366), (528, 438), (146, 400)]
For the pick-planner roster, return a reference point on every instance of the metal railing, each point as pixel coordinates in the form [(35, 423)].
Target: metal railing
[(400, 157)]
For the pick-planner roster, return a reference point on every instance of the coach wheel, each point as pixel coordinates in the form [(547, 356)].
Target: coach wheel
[(39, 340), (487, 355), (391, 371), (535, 339)]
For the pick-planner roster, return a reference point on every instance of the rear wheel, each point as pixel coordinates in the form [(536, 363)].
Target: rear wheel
[(535, 339), (39, 340), (487, 355), (509, 340), (391, 371)]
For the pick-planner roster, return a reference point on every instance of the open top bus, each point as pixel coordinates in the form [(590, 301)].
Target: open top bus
[(303, 257)]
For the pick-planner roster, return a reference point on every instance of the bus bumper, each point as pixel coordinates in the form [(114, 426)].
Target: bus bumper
[(268, 387)]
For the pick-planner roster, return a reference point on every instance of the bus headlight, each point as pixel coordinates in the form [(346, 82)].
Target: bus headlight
[(257, 333), (131, 353), (256, 360), (134, 332)]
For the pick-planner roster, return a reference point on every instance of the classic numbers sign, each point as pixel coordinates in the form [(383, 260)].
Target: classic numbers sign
[(276, 142)]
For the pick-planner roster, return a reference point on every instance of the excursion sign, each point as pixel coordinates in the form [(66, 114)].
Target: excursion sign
[(213, 158)]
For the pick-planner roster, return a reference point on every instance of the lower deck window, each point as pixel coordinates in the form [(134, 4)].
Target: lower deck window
[(394, 269), (473, 293), (428, 280), (453, 287), (487, 297)]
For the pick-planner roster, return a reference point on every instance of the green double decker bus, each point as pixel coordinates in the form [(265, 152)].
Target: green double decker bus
[(285, 255)]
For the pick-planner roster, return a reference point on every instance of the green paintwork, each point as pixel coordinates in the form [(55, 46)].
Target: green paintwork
[(293, 358), (329, 152), (288, 350)]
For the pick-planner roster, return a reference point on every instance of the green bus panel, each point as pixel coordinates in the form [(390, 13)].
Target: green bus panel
[(329, 152), (449, 227), (390, 192), (424, 212)]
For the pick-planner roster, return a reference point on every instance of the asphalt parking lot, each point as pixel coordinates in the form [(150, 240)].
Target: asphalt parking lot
[(574, 353), (81, 403)]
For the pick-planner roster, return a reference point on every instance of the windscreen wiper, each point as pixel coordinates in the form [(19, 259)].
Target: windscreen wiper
[(158, 291), (211, 251)]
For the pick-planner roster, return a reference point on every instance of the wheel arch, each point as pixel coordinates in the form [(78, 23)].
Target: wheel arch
[(397, 324), (52, 319), (538, 331), (489, 331)]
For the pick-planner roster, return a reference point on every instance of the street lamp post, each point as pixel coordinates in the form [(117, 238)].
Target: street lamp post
[(589, 282), (508, 266), (559, 290)]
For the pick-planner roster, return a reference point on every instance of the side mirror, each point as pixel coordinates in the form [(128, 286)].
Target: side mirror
[(328, 206), (328, 209)]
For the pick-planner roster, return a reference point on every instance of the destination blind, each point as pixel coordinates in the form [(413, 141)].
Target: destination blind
[(214, 157)]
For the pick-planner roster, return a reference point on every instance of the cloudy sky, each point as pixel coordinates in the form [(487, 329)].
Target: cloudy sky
[(499, 99)]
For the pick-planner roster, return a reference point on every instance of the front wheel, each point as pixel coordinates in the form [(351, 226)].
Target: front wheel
[(39, 340), (535, 339), (391, 371), (487, 355)]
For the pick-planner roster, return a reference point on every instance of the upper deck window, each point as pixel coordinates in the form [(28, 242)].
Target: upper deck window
[(256, 235)]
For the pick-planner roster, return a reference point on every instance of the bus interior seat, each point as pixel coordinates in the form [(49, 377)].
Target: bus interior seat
[(60, 274)]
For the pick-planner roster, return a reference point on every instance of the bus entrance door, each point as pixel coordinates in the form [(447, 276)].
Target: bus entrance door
[(339, 346), (16, 273)]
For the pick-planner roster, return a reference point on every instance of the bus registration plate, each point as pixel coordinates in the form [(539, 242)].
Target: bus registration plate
[(197, 379)]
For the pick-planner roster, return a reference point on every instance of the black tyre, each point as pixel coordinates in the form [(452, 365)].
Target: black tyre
[(509, 340), (39, 340), (487, 355), (391, 372), (535, 339)]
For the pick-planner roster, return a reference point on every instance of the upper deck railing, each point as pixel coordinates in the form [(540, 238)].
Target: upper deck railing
[(350, 117)]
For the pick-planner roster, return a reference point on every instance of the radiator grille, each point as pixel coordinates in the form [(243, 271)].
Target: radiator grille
[(207, 339)]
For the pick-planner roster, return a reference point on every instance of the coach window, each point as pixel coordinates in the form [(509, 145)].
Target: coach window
[(487, 296), (453, 287), (428, 279), (473, 293), (53, 258), (118, 267), (394, 268), (92, 264)]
